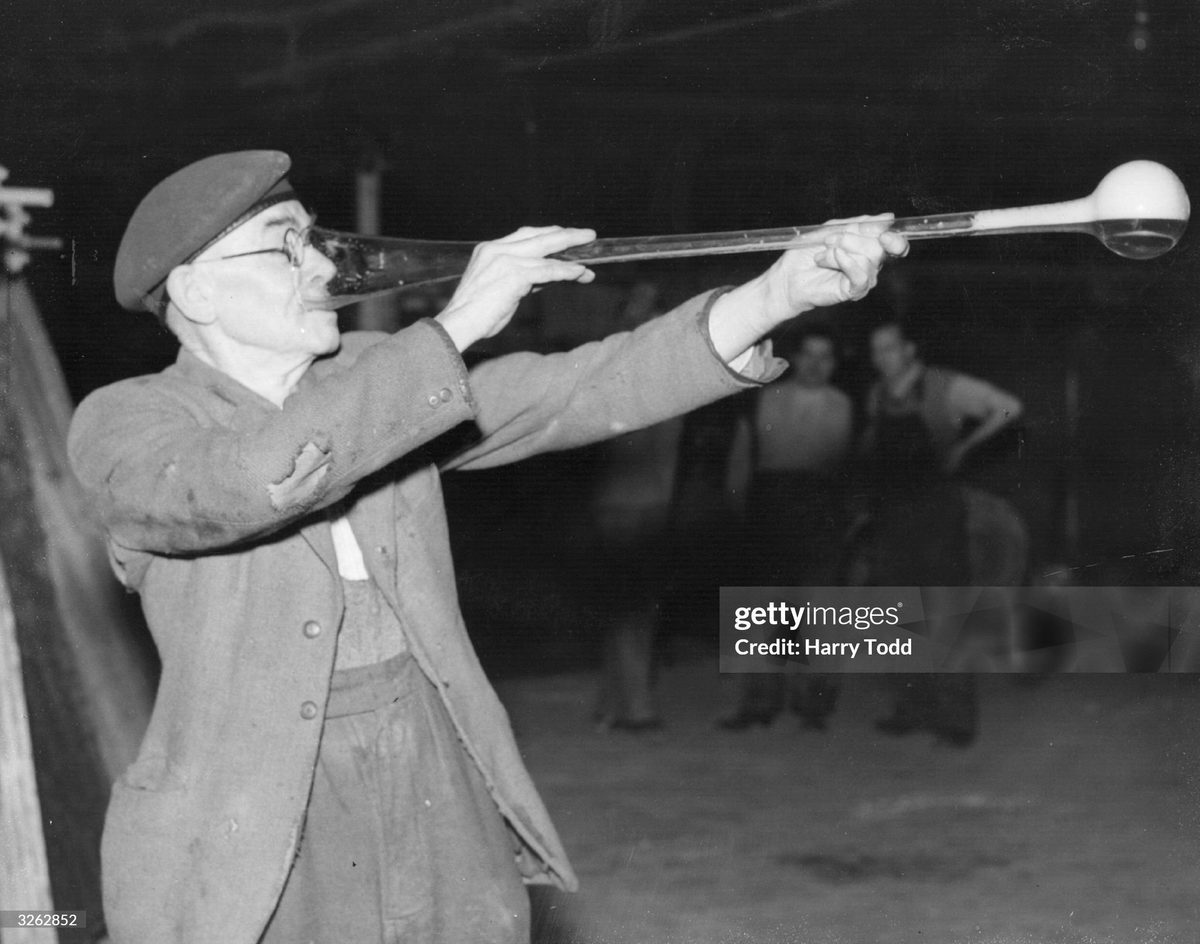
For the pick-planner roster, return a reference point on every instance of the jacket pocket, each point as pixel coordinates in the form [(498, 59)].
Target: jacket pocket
[(145, 868)]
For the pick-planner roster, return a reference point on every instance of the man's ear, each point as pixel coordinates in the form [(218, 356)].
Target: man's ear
[(191, 290)]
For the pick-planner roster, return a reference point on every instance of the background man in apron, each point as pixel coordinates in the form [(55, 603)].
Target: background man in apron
[(922, 422)]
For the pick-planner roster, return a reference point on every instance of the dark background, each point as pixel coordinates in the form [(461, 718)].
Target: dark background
[(659, 117), (641, 117)]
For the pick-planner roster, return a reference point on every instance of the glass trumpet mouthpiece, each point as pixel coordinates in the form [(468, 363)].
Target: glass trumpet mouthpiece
[(372, 266)]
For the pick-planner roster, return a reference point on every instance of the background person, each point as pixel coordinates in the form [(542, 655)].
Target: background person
[(802, 431), (922, 423), (631, 506)]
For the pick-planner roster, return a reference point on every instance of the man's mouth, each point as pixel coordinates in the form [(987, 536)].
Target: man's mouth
[(315, 302)]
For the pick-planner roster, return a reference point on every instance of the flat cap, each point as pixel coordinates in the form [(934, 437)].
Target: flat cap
[(187, 212)]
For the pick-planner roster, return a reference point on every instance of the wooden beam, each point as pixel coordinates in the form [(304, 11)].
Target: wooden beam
[(69, 780), (24, 869), (24, 865)]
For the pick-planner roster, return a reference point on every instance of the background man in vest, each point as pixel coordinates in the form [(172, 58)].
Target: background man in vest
[(922, 423)]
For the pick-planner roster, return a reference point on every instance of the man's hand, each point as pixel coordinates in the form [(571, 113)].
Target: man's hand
[(842, 267), (504, 271)]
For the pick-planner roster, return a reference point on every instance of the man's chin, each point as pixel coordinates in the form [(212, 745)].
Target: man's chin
[(323, 331), (332, 341)]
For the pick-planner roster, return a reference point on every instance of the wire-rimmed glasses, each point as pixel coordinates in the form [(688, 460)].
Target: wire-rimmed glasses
[(295, 241)]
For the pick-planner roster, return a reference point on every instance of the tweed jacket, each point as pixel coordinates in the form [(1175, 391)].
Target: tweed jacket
[(215, 503)]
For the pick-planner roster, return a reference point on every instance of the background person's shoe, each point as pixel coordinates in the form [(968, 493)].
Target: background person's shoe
[(746, 719), (955, 737), (636, 725)]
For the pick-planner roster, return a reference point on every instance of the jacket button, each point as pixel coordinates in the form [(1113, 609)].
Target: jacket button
[(312, 629), (435, 400), (308, 710), (446, 395)]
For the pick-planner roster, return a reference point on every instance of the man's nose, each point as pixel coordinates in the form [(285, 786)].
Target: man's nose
[(318, 267)]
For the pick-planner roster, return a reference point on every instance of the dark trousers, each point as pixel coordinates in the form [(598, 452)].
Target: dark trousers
[(793, 521), (920, 537), (402, 842)]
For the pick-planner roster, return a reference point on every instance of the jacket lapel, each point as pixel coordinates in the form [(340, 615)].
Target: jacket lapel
[(320, 539), (372, 508), (373, 518)]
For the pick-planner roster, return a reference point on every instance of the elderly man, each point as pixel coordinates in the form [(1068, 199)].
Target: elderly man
[(326, 761)]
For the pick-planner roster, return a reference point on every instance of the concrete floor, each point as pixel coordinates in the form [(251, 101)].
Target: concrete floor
[(1074, 818)]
